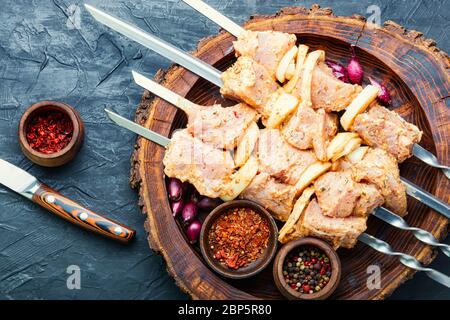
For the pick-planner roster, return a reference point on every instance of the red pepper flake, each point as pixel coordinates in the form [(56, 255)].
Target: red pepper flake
[(49, 131), (239, 237)]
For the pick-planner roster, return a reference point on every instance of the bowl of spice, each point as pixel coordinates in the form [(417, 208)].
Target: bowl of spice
[(307, 269), (238, 239), (50, 133)]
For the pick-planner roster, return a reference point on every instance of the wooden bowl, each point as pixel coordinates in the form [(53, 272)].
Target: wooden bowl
[(252, 268), (66, 154), (292, 294), (416, 73)]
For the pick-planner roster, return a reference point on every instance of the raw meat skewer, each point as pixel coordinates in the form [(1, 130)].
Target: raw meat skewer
[(412, 146), (371, 241), (215, 125)]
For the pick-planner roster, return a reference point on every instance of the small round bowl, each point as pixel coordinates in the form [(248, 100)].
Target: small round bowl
[(252, 268), (63, 156), (292, 294)]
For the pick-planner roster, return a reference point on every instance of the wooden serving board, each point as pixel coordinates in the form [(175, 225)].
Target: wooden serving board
[(417, 73)]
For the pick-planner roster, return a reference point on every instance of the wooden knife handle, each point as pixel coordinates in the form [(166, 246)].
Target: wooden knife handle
[(77, 214)]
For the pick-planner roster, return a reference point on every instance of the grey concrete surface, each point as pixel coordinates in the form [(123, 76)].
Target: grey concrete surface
[(44, 56)]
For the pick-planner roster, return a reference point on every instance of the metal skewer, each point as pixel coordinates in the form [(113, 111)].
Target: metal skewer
[(215, 16), (162, 47), (371, 241), (138, 129), (212, 74), (199, 67), (381, 213), (227, 24), (187, 106)]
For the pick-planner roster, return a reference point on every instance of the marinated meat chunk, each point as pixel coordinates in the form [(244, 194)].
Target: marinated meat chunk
[(337, 194), (221, 127), (340, 232), (310, 129), (273, 195), (279, 159), (300, 128), (189, 159), (328, 92), (380, 168), (370, 199), (265, 47), (248, 81), (385, 129), (332, 122)]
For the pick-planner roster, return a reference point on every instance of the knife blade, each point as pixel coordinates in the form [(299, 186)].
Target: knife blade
[(16, 179), (138, 129), (30, 187)]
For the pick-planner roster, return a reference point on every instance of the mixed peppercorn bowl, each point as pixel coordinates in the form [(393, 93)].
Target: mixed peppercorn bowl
[(307, 269)]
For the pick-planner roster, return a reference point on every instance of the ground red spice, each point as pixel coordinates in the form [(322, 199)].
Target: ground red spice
[(49, 131), (239, 237)]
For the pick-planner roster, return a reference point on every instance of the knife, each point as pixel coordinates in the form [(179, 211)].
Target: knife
[(25, 184)]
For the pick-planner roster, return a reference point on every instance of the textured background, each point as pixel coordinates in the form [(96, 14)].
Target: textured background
[(43, 56)]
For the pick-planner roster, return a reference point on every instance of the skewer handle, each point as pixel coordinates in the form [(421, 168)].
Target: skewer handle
[(405, 259), (426, 198), (430, 159), (423, 235)]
